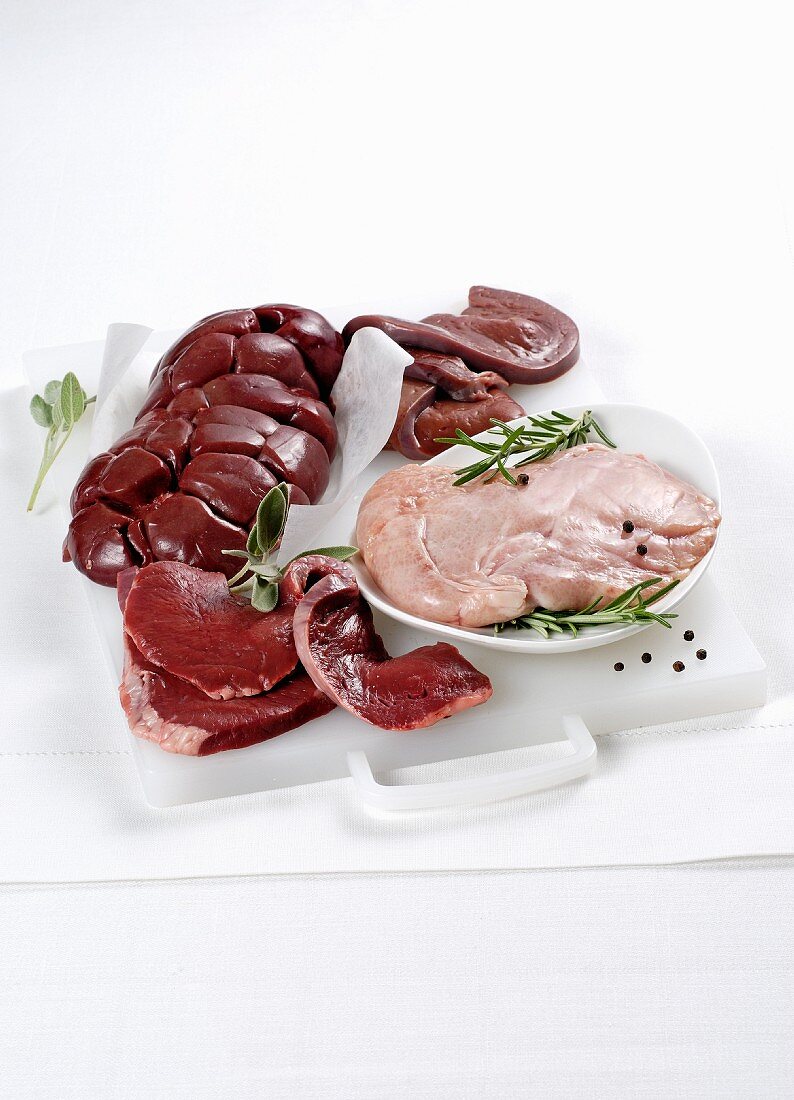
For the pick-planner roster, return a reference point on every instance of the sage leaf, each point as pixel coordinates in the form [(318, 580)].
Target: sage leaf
[(252, 545), (262, 574), (71, 399), (41, 411), (52, 391), (269, 572), (271, 515), (341, 553), (59, 410), (264, 596)]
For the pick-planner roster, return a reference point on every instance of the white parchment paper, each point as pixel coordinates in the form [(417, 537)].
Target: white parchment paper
[(366, 395), (120, 390)]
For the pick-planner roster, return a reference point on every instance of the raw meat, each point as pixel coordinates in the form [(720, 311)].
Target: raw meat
[(520, 338), (180, 718), (205, 672), (238, 402), (345, 657), (483, 553), (186, 622), (452, 375), (425, 414)]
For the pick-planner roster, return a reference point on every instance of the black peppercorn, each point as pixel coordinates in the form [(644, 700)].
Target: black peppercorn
[(689, 635), (701, 654), (679, 666), (646, 658), (628, 526), (619, 666), (642, 549), (523, 479)]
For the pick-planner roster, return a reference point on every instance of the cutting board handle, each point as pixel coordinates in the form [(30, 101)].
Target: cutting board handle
[(485, 788)]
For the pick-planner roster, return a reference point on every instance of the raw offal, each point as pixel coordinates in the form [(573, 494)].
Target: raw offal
[(345, 657), (237, 404), (482, 553), (205, 672), (180, 718), (519, 337), (187, 622)]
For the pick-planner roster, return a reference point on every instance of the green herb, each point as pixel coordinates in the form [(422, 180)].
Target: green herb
[(629, 607), (58, 411), (260, 576), (546, 435)]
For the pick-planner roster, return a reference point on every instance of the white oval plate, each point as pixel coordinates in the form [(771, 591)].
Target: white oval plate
[(636, 430)]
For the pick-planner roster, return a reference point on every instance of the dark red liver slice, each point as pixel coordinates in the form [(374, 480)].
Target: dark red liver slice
[(521, 338), (187, 622), (345, 657), (451, 374), (442, 416), (472, 417), (180, 718)]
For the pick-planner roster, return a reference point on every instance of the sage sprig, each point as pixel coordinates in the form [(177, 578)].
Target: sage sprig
[(57, 410), (260, 576), (546, 435), (629, 607)]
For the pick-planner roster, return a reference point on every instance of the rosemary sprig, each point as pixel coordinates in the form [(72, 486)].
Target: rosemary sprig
[(629, 607), (260, 576), (546, 435), (58, 410)]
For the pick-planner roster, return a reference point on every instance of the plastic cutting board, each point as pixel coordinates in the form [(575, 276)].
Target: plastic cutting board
[(536, 700)]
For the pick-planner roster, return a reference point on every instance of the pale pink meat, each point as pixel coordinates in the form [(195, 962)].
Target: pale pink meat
[(483, 553)]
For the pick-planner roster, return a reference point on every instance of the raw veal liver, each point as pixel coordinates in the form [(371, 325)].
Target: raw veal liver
[(187, 622), (345, 657), (180, 718), (521, 338), (205, 672)]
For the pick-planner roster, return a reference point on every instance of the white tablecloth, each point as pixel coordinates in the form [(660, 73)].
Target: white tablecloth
[(160, 161), (624, 983)]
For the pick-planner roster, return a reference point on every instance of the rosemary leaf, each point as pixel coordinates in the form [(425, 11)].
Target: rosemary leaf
[(542, 438), (629, 608)]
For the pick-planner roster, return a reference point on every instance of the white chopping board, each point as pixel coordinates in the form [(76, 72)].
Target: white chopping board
[(535, 700)]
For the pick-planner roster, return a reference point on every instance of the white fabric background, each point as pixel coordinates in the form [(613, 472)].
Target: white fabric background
[(622, 983), (160, 161)]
